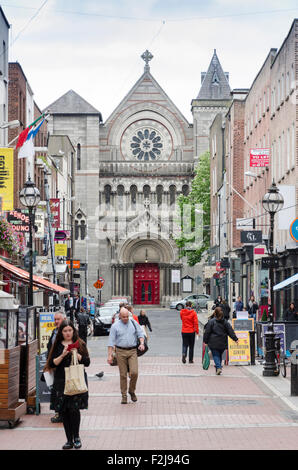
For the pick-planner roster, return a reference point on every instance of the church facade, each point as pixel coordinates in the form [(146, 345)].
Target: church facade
[(129, 173)]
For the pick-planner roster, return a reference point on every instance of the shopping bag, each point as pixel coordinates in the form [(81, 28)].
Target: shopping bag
[(75, 383), (49, 378), (206, 358)]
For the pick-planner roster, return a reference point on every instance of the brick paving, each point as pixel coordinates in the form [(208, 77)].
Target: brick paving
[(180, 407)]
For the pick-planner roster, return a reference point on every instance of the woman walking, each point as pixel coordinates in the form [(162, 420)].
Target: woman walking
[(60, 357), (190, 327), (144, 321), (216, 336)]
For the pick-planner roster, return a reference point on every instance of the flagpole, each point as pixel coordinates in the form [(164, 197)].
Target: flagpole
[(38, 119)]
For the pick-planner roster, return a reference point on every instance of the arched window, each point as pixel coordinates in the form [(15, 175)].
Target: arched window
[(185, 190), (172, 195), (133, 195), (120, 197), (107, 194), (159, 194), (78, 156), (80, 226), (146, 191)]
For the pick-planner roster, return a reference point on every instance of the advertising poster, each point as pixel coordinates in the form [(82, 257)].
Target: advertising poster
[(46, 325), (6, 179), (60, 249), (55, 212), (280, 331), (239, 353)]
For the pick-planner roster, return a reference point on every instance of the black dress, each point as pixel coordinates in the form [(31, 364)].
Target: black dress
[(59, 401)]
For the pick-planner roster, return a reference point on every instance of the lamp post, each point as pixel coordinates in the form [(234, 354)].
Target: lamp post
[(30, 197), (272, 202)]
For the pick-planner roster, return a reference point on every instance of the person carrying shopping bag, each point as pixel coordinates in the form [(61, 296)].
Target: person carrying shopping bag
[(61, 358), (190, 327), (216, 337)]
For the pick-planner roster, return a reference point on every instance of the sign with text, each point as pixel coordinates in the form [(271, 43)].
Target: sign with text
[(251, 236), (39, 222), (19, 219), (6, 179), (239, 353), (267, 263), (46, 327), (55, 212), (259, 158), (246, 324), (176, 275), (60, 249)]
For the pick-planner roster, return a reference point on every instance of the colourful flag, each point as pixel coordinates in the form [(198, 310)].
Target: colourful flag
[(27, 149), (24, 134)]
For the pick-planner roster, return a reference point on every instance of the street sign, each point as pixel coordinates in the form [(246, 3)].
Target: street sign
[(99, 283), (294, 230), (76, 264), (225, 263), (60, 249), (60, 235), (267, 263), (251, 236)]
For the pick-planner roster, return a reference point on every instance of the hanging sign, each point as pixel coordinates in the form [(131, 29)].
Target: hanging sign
[(259, 158), (55, 212), (61, 249), (6, 179), (251, 236), (19, 219)]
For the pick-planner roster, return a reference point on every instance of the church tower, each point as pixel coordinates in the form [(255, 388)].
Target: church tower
[(145, 163), (214, 97)]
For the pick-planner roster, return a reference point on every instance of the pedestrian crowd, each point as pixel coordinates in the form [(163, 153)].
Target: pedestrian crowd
[(67, 352)]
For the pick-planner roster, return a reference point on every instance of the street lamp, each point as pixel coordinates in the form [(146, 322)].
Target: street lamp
[(30, 197), (272, 202)]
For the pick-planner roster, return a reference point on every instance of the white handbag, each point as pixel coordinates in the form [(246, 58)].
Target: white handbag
[(75, 383)]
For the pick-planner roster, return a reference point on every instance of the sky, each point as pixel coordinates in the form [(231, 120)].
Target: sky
[(93, 46)]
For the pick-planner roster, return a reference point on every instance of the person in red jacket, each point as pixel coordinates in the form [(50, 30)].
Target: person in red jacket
[(190, 327)]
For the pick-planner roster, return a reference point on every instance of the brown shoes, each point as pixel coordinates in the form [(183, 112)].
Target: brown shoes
[(124, 400), (133, 396)]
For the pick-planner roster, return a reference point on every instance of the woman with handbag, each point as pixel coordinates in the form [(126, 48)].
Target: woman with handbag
[(66, 348)]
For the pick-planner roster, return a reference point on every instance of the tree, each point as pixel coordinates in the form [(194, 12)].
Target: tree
[(199, 194)]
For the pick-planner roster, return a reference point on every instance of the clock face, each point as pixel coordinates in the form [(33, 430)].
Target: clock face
[(146, 141)]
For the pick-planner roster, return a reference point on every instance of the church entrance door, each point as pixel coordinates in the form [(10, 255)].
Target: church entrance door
[(146, 284)]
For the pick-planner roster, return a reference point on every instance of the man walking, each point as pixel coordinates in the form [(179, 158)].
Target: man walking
[(83, 320), (123, 336)]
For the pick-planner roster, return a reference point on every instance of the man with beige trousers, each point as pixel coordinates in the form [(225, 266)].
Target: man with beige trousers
[(123, 336)]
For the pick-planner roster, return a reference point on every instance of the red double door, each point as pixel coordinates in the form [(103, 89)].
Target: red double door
[(146, 284)]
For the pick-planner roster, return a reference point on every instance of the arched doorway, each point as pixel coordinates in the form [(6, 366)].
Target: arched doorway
[(146, 284)]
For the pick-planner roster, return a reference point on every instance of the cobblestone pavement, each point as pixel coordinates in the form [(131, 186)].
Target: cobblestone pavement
[(179, 407)]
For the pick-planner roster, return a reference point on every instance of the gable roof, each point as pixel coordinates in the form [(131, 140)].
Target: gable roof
[(215, 85), (72, 103)]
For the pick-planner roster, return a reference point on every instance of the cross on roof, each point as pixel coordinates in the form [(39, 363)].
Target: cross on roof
[(147, 203), (147, 56)]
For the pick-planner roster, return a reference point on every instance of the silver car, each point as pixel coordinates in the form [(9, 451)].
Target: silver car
[(199, 300)]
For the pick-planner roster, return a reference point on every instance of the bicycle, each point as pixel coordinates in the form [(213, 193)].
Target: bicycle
[(281, 359)]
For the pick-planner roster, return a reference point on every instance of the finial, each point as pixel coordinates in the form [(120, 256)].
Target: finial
[(147, 56)]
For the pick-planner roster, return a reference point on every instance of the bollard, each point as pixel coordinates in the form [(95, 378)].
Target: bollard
[(252, 342)]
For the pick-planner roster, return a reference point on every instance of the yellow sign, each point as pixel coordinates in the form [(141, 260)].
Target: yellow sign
[(6, 179), (239, 353), (61, 249), (46, 326)]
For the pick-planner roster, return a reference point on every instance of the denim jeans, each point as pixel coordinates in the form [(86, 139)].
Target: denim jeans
[(217, 355)]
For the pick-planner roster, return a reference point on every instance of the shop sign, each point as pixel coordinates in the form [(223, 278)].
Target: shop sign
[(294, 230), (251, 236), (55, 212), (259, 158), (239, 353), (19, 219), (61, 249)]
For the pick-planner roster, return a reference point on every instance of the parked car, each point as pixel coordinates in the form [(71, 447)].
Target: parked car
[(103, 321), (199, 300)]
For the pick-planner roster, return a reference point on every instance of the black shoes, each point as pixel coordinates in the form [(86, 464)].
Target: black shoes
[(57, 419), (183, 358), (67, 445), (77, 443), (133, 396), (191, 362)]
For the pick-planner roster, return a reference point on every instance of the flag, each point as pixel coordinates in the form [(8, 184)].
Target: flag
[(27, 148), (22, 137)]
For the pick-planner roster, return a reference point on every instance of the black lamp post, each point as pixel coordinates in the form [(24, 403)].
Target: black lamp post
[(272, 203), (30, 197)]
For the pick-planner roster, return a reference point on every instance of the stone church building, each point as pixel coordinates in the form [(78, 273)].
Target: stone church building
[(129, 172)]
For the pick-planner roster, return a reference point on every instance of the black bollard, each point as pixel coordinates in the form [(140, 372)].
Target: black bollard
[(294, 374)]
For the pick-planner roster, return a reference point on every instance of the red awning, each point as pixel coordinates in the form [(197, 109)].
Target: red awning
[(37, 281)]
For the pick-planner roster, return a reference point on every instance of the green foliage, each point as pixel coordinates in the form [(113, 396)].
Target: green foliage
[(199, 194)]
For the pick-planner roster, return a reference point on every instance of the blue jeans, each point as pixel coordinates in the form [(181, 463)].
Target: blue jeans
[(217, 355)]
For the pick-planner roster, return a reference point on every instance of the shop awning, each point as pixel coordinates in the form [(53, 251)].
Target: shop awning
[(37, 281), (286, 282)]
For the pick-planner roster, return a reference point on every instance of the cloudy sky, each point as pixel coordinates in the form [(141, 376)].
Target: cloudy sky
[(94, 46)]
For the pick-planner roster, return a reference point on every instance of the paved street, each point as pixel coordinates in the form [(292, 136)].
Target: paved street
[(180, 406)]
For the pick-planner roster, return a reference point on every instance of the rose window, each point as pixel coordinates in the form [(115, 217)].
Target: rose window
[(146, 144)]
